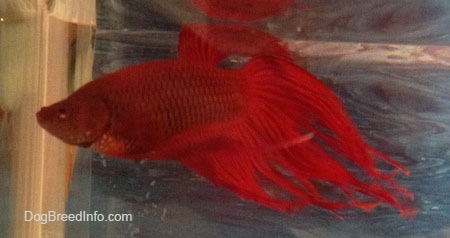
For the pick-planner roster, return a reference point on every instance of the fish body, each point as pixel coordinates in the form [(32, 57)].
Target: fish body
[(149, 103), (266, 121)]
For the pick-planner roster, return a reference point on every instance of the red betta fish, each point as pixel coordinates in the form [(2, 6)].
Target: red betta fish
[(269, 131), (242, 10)]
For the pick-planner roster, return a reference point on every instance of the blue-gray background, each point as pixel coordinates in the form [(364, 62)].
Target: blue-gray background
[(403, 110)]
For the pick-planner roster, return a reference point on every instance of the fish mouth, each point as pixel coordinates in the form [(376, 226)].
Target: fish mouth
[(41, 117)]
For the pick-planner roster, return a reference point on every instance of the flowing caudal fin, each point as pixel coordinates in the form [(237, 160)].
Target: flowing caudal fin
[(214, 43), (298, 138)]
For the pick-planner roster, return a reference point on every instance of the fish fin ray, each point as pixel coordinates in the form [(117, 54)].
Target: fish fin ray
[(295, 135), (237, 174), (204, 52), (287, 103), (214, 43)]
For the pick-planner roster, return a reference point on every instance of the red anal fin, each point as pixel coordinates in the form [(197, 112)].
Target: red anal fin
[(244, 172), (217, 153), (237, 174)]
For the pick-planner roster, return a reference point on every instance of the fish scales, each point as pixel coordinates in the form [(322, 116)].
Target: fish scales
[(268, 122)]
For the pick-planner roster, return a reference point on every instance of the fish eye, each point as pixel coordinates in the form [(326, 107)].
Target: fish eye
[(62, 112)]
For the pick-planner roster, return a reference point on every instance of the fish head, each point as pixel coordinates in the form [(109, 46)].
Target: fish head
[(76, 120)]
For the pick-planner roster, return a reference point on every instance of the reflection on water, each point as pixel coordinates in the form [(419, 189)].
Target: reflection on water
[(402, 108)]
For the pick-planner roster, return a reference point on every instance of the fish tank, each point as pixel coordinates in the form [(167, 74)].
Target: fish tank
[(388, 62)]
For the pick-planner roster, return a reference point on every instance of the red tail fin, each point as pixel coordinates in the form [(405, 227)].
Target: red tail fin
[(298, 137)]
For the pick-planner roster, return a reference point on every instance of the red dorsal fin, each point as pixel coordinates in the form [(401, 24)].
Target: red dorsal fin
[(195, 47), (211, 44)]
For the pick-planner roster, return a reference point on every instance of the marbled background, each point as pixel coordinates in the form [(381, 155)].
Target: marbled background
[(389, 61)]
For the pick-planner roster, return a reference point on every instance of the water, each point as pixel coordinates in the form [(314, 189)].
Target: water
[(401, 106)]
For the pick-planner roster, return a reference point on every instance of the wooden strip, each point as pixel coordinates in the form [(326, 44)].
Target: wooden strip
[(41, 55), (396, 54)]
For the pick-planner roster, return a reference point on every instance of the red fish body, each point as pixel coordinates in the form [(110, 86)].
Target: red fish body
[(147, 112), (267, 121)]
